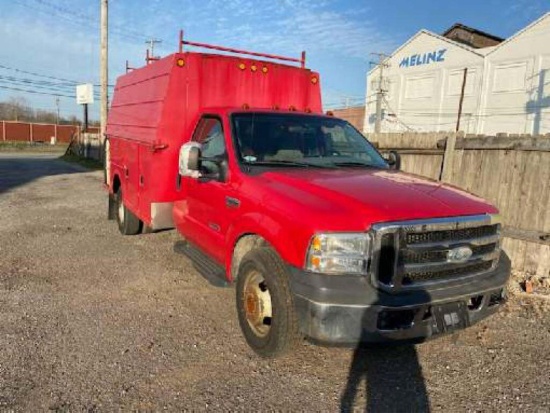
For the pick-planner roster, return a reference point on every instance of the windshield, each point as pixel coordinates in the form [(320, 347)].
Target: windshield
[(301, 140)]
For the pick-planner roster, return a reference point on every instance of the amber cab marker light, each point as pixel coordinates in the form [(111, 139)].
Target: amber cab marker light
[(180, 62), (265, 69), (314, 80), (242, 66), (253, 68), (330, 113), (245, 106), (292, 108)]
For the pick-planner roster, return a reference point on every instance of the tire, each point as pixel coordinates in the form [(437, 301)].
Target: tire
[(128, 223), (264, 304)]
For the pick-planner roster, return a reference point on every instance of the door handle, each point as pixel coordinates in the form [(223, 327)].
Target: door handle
[(231, 202)]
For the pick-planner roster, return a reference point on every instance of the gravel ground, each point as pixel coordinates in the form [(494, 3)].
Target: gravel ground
[(94, 321)]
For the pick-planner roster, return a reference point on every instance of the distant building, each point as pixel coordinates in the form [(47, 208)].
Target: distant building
[(354, 115), (471, 37), (507, 84)]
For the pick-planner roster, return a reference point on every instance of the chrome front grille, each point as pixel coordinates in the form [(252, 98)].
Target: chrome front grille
[(450, 235), (418, 254)]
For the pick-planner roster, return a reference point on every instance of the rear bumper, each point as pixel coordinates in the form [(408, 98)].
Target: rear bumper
[(347, 310)]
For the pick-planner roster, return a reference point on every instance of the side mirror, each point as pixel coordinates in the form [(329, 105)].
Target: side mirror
[(394, 160), (190, 159)]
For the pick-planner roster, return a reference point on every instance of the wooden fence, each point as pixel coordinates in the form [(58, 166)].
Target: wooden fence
[(38, 132), (512, 172)]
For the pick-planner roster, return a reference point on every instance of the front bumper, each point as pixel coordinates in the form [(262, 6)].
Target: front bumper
[(347, 309)]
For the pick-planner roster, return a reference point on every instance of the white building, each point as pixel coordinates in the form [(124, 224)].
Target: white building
[(507, 82)]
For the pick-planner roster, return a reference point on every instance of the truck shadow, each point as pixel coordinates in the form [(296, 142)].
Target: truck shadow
[(392, 377), (390, 373), (20, 169)]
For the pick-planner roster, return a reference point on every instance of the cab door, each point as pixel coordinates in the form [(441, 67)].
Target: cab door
[(208, 215)]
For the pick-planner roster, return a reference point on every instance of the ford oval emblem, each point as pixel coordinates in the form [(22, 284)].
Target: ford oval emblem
[(459, 254)]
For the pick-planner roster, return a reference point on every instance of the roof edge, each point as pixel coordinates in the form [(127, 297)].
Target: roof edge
[(472, 29), (437, 36), (520, 32)]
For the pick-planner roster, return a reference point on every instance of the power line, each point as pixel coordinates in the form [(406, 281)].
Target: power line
[(36, 92), (40, 85), (396, 117), (71, 16), (60, 79)]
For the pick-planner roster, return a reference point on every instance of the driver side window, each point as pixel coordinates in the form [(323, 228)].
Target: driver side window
[(209, 133)]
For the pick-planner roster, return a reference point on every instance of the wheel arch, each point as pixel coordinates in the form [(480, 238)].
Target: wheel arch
[(112, 208), (245, 243), (117, 183), (247, 234)]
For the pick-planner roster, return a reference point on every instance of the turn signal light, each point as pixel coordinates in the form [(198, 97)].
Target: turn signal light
[(180, 62)]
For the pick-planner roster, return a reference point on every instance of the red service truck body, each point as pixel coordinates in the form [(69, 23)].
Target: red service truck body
[(320, 235)]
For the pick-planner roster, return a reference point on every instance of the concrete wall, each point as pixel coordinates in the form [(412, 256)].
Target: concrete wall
[(507, 88), (424, 97), (516, 91)]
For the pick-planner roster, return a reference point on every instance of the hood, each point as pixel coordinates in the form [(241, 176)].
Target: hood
[(367, 196)]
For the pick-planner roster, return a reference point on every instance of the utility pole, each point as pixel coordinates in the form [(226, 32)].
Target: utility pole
[(151, 42), (380, 91), (57, 109), (461, 99), (104, 70), (85, 128)]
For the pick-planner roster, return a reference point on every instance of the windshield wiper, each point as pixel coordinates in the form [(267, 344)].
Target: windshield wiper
[(354, 163), (278, 162)]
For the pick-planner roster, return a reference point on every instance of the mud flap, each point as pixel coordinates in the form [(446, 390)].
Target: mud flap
[(111, 209)]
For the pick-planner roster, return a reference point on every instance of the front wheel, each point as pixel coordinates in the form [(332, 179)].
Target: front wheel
[(128, 223), (264, 304)]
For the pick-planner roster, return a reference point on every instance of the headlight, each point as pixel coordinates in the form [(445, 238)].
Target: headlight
[(339, 253)]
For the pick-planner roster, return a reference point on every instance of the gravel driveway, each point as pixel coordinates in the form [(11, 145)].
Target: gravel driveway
[(94, 321)]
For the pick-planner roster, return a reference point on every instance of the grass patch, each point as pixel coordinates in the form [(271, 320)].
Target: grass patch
[(85, 162), (16, 146)]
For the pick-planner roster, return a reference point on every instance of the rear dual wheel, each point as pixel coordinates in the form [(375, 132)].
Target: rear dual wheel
[(128, 223), (264, 304)]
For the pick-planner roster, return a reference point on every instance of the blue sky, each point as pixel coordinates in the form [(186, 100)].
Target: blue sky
[(60, 38)]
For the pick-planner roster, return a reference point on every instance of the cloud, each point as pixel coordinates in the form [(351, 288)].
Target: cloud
[(61, 37), (305, 25)]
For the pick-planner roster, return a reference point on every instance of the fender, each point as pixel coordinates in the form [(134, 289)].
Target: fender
[(280, 236), (115, 169)]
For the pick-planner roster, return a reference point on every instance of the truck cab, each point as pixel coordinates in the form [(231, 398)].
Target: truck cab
[(320, 235)]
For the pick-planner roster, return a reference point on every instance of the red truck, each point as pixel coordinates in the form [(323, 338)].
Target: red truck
[(321, 235)]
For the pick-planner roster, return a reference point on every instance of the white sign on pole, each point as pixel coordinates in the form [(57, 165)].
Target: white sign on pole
[(84, 93)]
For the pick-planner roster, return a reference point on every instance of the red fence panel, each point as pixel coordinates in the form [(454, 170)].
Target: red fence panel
[(42, 133), (17, 131)]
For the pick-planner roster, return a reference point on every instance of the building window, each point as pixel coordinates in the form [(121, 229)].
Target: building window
[(419, 87), (454, 83), (510, 78)]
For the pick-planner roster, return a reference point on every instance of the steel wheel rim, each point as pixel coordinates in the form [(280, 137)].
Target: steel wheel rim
[(257, 304)]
